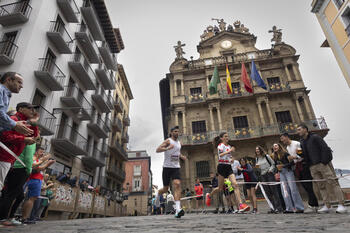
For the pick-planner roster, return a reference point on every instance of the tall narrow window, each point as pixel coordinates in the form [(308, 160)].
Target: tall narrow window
[(283, 117), (240, 122), (202, 168), (198, 127)]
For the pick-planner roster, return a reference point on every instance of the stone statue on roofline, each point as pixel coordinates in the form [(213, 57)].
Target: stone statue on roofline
[(277, 35), (222, 24), (179, 51), (237, 25), (216, 30)]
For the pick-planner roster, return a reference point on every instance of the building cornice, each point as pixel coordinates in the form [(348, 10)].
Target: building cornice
[(316, 5), (125, 81)]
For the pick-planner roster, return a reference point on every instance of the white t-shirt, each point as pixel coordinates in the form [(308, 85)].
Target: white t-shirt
[(292, 148), (235, 165), (226, 158), (172, 156)]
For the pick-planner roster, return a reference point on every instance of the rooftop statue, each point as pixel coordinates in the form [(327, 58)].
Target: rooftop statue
[(222, 24), (179, 51), (277, 35)]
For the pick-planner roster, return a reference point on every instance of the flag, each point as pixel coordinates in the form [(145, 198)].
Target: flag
[(213, 85), (256, 77), (228, 81), (245, 79)]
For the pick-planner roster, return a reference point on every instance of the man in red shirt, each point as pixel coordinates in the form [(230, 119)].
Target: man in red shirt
[(198, 188), (17, 141)]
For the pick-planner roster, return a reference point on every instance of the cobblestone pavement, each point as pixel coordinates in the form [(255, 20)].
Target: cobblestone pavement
[(197, 223)]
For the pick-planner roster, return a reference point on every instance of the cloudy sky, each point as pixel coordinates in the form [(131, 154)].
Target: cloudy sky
[(151, 28)]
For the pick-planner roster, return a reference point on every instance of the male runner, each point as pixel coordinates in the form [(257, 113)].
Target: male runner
[(171, 168)]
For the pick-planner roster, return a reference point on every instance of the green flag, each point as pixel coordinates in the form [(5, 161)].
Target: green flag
[(215, 80)]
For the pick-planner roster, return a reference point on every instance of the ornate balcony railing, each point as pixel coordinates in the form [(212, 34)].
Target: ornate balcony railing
[(195, 98)]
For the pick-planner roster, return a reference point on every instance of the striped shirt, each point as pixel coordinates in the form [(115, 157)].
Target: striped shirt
[(6, 123)]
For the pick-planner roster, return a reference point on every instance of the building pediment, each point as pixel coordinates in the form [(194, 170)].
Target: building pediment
[(234, 36)]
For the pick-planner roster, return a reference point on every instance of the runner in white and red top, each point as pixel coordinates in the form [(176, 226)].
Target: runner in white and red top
[(224, 170)]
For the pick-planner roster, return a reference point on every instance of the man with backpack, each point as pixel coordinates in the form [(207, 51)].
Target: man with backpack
[(319, 156)]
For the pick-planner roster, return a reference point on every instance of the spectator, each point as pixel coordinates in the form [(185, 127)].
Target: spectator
[(73, 182), (64, 178), (170, 203), (34, 185), (16, 141), (14, 183), (230, 197), (198, 188), (162, 204), (83, 185), (249, 176), (97, 189), (239, 178), (188, 194), (46, 202), (218, 196), (319, 156)]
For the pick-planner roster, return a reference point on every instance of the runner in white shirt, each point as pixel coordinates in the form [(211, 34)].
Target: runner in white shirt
[(225, 170), (171, 168)]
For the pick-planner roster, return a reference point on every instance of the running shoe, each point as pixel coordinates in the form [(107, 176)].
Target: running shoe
[(208, 199), (14, 222), (341, 209), (243, 207), (255, 211), (180, 213)]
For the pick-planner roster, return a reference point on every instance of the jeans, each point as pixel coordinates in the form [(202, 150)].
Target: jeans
[(290, 191), (271, 191), (35, 210)]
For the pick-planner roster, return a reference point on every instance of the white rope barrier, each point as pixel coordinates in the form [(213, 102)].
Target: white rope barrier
[(11, 153)]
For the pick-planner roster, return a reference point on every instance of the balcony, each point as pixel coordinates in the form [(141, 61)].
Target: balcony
[(50, 74), (46, 122), (104, 149), (87, 44), (77, 104), (118, 105), (115, 171), (116, 147), (94, 158), (195, 98), (278, 87), (317, 125), (125, 138), (97, 126), (108, 125), (15, 13), (102, 100), (8, 52), (126, 121), (106, 77), (117, 124), (236, 93), (69, 141), (91, 19), (107, 57), (60, 38), (83, 71), (69, 10)]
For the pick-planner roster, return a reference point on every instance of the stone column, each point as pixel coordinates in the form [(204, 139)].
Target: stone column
[(287, 72), (308, 107), (300, 113), (219, 118), (175, 88), (269, 112), (261, 114), (211, 119), (184, 122), (182, 87), (176, 118), (207, 82), (296, 72)]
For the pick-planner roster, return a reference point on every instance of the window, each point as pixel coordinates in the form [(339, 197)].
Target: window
[(198, 127), (8, 46), (86, 177), (338, 3), (283, 117), (196, 91), (274, 83), (346, 19), (202, 168), (137, 170), (236, 88), (58, 169), (240, 122), (39, 98), (137, 184)]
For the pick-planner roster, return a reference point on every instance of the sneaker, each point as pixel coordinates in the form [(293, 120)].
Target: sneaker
[(216, 211), (223, 211), (157, 202), (288, 212), (254, 211), (27, 221), (208, 199), (180, 214), (229, 211), (15, 222), (341, 209), (299, 211), (243, 207), (235, 212), (323, 210), (310, 210)]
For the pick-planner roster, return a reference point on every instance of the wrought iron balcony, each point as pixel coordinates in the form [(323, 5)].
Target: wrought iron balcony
[(117, 124), (46, 122), (8, 51), (104, 75), (94, 158), (316, 125), (69, 141), (114, 170), (118, 105), (87, 44), (80, 66), (125, 138), (50, 74), (236, 92), (195, 98), (104, 149), (116, 147), (102, 100), (91, 19), (107, 57), (97, 125), (126, 121), (15, 13), (108, 125), (69, 10), (60, 37), (278, 87), (76, 102)]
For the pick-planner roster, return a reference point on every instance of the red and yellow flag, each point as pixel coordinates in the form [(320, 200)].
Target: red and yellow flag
[(228, 81)]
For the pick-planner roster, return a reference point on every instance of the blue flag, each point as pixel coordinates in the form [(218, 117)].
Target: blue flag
[(256, 77)]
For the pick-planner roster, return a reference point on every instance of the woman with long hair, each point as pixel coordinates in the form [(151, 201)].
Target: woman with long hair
[(289, 189), (224, 170), (267, 167), (250, 178)]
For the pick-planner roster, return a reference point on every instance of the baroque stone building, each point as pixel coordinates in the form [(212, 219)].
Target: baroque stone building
[(250, 119)]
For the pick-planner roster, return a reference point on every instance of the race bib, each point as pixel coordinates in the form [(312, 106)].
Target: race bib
[(174, 158)]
